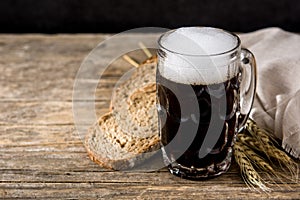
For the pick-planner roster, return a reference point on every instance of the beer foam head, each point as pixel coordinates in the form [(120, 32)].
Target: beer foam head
[(197, 55)]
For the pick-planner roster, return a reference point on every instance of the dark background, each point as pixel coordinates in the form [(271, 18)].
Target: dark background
[(87, 16)]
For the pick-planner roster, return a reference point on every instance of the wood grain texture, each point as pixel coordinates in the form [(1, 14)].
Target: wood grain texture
[(41, 154)]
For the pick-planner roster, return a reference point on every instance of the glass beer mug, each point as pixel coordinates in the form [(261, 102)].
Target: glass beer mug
[(205, 89)]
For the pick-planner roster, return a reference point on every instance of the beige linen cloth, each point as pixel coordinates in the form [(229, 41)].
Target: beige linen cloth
[(277, 102)]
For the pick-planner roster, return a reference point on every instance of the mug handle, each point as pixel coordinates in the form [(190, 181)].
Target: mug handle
[(248, 82)]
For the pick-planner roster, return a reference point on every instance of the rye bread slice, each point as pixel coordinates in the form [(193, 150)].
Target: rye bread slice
[(103, 152), (140, 77), (141, 106), (122, 106), (114, 155), (134, 141), (119, 144)]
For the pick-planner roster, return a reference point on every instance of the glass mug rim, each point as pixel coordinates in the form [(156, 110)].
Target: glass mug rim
[(232, 50)]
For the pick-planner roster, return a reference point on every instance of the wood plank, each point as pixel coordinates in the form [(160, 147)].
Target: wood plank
[(137, 191), (70, 165), (67, 174), (58, 90), (44, 113), (36, 67), (26, 135), (160, 183), (107, 176), (27, 47)]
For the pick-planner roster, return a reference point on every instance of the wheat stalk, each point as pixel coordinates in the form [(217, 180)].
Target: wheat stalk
[(261, 140), (145, 50), (261, 164), (255, 158), (249, 174), (253, 142), (131, 61)]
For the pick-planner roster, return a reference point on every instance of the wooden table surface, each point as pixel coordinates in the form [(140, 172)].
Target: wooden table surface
[(41, 154)]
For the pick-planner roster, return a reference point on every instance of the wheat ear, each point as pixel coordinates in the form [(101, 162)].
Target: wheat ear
[(249, 175), (267, 145), (257, 160), (260, 163), (260, 134)]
